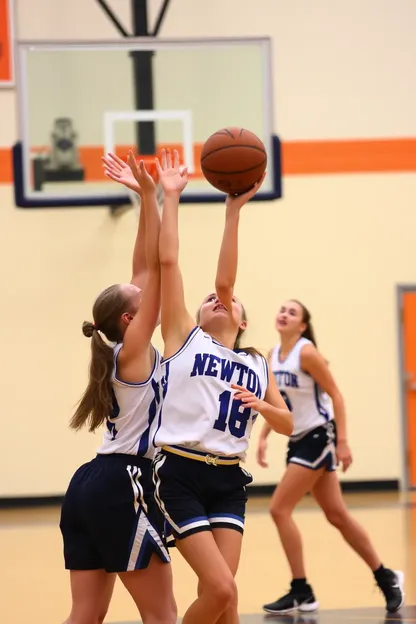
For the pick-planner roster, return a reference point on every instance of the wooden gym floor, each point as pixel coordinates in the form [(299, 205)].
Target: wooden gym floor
[(34, 585)]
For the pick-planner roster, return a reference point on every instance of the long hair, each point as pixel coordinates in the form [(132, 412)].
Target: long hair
[(309, 332), (96, 403), (237, 344)]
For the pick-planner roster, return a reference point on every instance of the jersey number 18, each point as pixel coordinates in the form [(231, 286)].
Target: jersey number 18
[(235, 419)]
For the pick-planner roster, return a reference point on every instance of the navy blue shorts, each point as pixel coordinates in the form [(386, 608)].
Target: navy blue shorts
[(197, 496), (316, 449), (109, 518)]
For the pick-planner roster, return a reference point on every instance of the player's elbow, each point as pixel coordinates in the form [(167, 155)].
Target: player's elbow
[(284, 424), (336, 398), (168, 259), (224, 290)]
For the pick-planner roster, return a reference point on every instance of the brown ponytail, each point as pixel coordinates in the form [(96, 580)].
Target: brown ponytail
[(308, 333), (95, 404)]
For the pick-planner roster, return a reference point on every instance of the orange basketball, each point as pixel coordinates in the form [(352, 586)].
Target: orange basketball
[(233, 160)]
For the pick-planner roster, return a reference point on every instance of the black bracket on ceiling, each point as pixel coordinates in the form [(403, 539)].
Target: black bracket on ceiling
[(121, 29)]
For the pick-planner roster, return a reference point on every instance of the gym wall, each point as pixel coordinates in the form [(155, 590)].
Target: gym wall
[(340, 242)]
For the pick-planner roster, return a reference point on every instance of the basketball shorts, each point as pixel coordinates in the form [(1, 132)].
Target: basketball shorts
[(316, 449), (109, 518), (197, 493)]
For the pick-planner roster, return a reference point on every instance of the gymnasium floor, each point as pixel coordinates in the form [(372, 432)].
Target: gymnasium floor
[(34, 586)]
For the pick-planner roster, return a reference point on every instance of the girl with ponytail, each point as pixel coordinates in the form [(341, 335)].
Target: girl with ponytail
[(109, 520), (317, 446)]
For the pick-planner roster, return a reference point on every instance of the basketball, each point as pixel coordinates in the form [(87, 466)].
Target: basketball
[(233, 160)]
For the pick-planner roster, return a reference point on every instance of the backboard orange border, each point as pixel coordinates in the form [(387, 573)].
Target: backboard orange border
[(6, 44)]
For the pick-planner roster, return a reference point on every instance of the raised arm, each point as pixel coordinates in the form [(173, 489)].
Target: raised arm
[(176, 322), (137, 356), (121, 172), (228, 256), (316, 366)]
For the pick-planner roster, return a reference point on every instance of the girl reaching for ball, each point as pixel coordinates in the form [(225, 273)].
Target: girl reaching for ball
[(109, 521), (213, 391), (318, 443)]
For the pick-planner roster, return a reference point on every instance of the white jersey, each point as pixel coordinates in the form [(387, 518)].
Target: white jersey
[(136, 406), (310, 406), (198, 408)]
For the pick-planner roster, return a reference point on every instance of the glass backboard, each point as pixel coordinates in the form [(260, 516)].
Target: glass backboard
[(79, 100)]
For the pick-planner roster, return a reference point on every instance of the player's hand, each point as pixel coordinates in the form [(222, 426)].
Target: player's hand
[(344, 456), (119, 171), (249, 399), (236, 202), (141, 175), (261, 453), (172, 177)]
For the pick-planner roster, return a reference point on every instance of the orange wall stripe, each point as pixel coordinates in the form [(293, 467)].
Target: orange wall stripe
[(298, 157), (348, 156), (6, 167)]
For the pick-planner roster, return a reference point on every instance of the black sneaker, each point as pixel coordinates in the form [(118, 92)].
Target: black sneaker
[(294, 601), (392, 587)]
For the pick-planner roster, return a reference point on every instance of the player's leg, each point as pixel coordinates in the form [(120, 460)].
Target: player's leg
[(181, 490), (327, 492), (308, 458), (229, 543), (91, 586), (91, 592), (151, 590), (227, 509), (216, 586), (128, 536), (296, 482)]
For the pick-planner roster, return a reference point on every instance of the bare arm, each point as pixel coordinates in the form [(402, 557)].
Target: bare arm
[(272, 408), (137, 356), (176, 322), (266, 429), (275, 411), (139, 269), (228, 256), (264, 434), (121, 172), (316, 366)]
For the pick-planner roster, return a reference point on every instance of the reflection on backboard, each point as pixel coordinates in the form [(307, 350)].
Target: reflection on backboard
[(77, 101)]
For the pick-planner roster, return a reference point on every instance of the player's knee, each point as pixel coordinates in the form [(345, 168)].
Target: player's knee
[(279, 513), (223, 591), (338, 517)]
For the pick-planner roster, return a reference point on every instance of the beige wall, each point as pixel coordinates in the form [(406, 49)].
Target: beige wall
[(340, 243)]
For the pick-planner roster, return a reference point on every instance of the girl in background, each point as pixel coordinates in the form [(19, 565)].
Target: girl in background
[(317, 445)]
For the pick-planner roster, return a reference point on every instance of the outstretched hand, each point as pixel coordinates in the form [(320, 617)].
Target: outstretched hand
[(140, 174), (119, 171), (236, 202), (172, 177)]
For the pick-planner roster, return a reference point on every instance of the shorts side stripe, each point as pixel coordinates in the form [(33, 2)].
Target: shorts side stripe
[(328, 450), (183, 527), (135, 473), (228, 519), (145, 534), (158, 463)]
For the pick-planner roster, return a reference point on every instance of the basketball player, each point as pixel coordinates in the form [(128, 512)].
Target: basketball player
[(318, 443), (109, 519), (204, 427)]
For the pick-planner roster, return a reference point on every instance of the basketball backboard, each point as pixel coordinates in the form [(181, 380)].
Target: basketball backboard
[(79, 100)]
